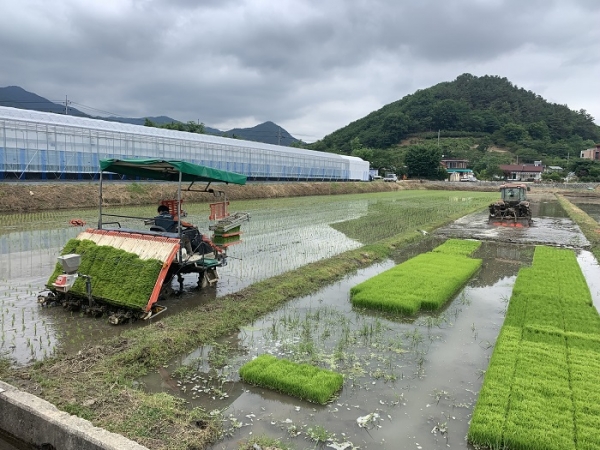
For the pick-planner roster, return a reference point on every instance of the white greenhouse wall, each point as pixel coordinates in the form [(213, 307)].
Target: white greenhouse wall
[(38, 145)]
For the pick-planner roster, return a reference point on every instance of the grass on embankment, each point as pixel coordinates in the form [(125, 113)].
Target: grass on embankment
[(99, 382), (542, 387), (426, 281), (303, 381), (589, 227)]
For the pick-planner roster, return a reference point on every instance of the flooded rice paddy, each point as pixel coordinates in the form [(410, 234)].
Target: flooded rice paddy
[(275, 240), (409, 383), (591, 208)]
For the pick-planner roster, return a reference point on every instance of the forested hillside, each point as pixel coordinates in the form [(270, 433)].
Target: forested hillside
[(489, 110)]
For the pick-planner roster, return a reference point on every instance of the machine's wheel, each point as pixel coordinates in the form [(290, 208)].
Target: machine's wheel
[(49, 299), (167, 290), (180, 280), (121, 316), (202, 280), (208, 277)]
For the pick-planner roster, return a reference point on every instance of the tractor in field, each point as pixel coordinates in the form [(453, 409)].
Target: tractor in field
[(122, 272), (512, 209)]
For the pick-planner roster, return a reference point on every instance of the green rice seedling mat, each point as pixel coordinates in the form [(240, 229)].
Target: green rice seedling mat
[(426, 281), (221, 240), (303, 381), (542, 387), (219, 231), (118, 277)]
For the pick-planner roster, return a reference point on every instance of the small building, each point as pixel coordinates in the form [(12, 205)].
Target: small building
[(591, 153), (457, 169), (524, 172), (552, 169)]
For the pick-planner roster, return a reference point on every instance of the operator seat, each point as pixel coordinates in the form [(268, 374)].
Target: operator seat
[(165, 223)]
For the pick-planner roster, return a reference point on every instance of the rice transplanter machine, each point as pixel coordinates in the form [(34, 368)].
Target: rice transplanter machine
[(123, 272)]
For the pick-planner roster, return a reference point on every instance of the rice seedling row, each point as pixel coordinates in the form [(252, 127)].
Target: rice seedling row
[(285, 236), (541, 388), (426, 281), (408, 212), (303, 381)]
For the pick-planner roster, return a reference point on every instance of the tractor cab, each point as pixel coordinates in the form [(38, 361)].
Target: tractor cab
[(512, 193)]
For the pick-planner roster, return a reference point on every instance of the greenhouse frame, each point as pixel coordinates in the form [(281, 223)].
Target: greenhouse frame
[(37, 145)]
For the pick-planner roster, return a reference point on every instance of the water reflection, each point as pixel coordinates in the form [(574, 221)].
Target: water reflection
[(592, 209), (501, 261), (548, 209)]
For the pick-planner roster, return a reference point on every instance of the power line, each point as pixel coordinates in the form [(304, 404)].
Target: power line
[(96, 109), (280, 133)]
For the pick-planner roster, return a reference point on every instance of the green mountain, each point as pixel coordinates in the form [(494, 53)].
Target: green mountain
[(267, 132), (489, 109), (17, 97)]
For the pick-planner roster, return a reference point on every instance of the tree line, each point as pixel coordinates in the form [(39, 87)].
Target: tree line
[(190, 127)]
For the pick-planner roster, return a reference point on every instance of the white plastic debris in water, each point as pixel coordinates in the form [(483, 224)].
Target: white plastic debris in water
[(369, 419), (340, 446)]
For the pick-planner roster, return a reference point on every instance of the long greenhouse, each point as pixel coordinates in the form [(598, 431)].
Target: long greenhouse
[(46, 146)]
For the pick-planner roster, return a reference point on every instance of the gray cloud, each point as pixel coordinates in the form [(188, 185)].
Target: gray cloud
[(308, 65)]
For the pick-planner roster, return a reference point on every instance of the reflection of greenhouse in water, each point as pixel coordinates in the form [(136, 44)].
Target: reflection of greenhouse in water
[(47, 146)]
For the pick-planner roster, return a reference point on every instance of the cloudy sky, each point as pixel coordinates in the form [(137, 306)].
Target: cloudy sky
[(312, 66)]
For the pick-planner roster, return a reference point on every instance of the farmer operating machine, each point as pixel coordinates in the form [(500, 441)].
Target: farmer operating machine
[(123, 272), (512, 209)]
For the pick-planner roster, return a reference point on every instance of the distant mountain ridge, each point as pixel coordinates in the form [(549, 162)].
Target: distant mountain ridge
[(17, 97)]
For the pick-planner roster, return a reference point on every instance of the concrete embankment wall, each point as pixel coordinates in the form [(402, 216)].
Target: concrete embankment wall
[(36, 422)]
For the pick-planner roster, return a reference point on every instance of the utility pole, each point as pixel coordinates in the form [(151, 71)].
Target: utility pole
[(439, 138), (278, 135), (67, 105)]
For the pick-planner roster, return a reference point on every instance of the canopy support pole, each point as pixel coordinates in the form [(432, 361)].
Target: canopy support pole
[(100, 203), (179, 215)]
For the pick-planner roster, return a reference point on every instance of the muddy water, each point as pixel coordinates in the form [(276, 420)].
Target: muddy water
[(551, 226), (411, 383)]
